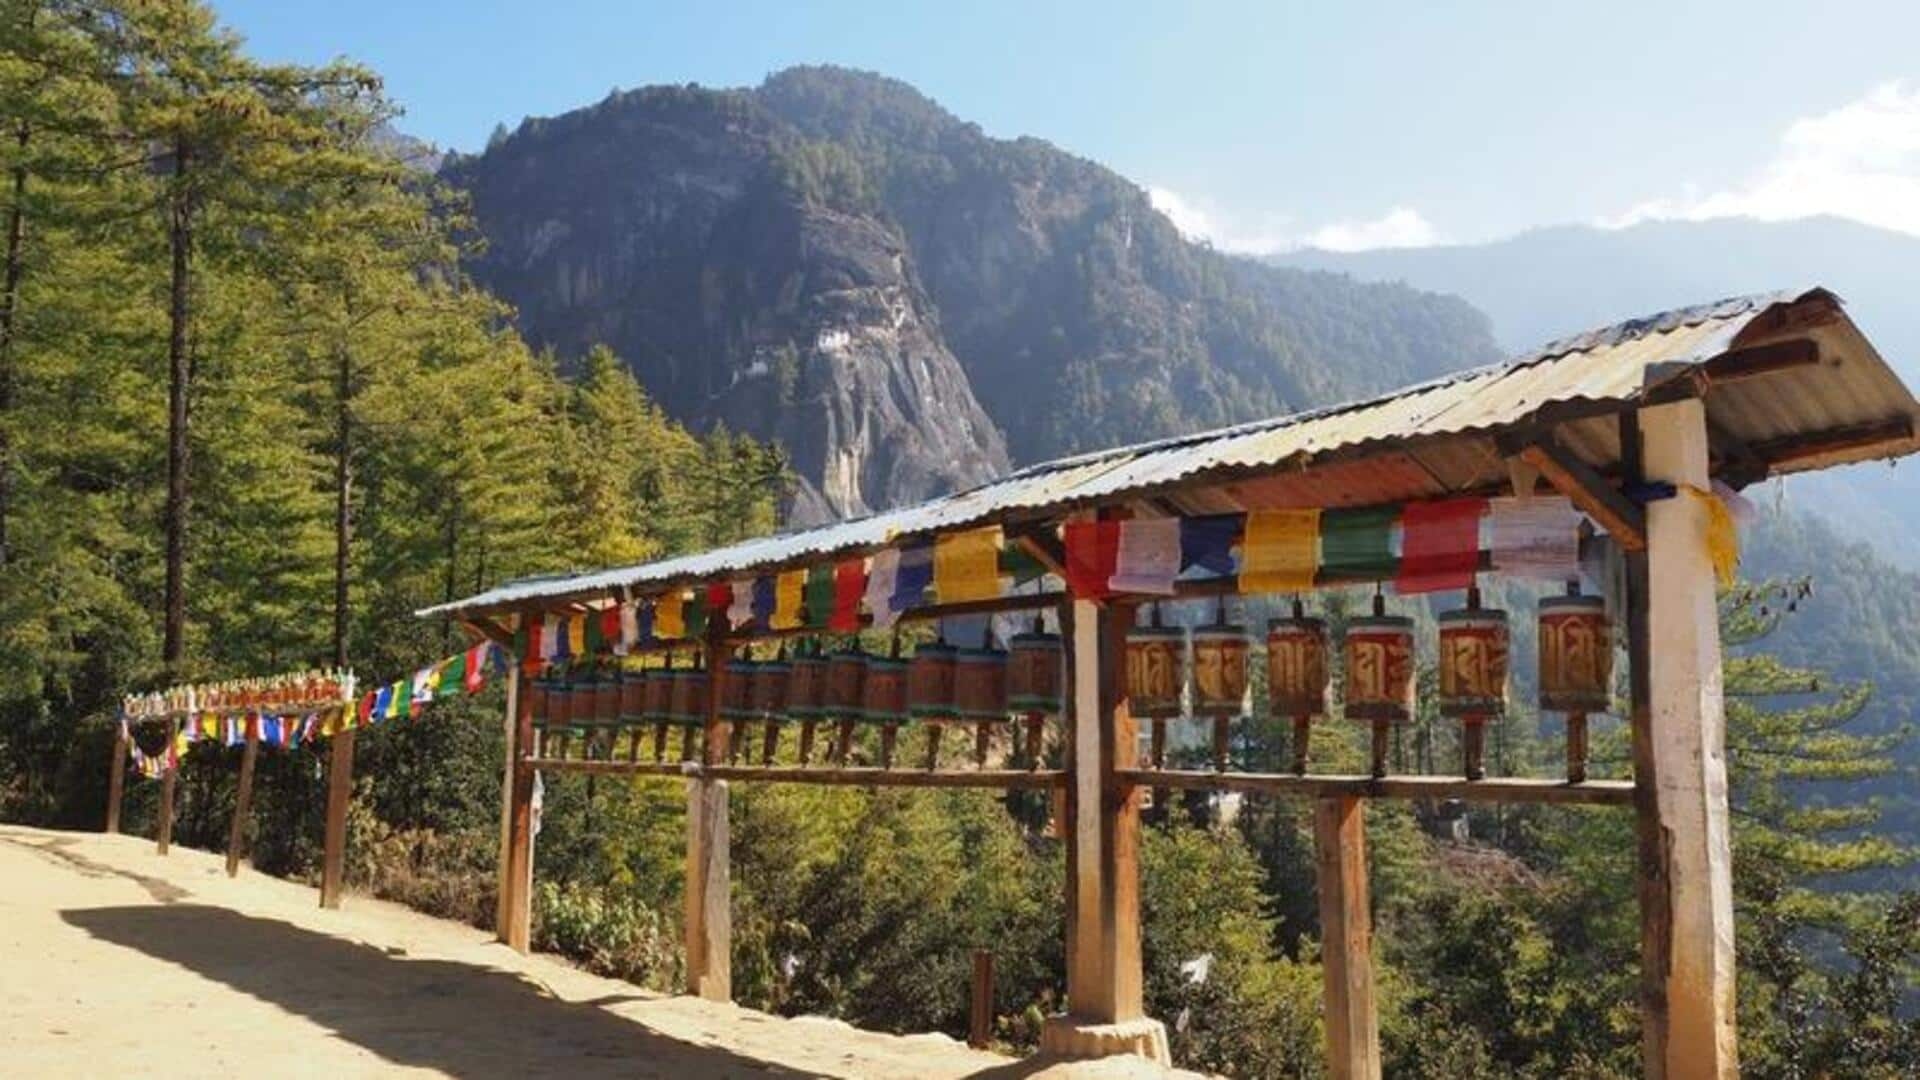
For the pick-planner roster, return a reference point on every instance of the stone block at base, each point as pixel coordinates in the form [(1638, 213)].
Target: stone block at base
[(1064, 1036)]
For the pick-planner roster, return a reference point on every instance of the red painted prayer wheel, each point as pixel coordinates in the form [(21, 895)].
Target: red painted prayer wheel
[(1380, 668), (537, 700), (980, 684), (1473, 662), (846, 683), (768, 690), (1155, 673), (930, 682), (559, 701), (1297, 678), (1576, 654), (883, 690), (1219, 670), (1036, 673)]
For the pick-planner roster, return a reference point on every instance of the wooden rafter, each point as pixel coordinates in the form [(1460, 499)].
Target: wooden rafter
[(1577, 480)]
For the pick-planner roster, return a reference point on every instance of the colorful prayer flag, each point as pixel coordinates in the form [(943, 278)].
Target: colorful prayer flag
[(553, 638), (1357, 544), (789, 600), (849, 581), (669, 616), (911, 581), (1206, 543), (629, 615), (473, 668), (966, 565), (642, 624), (819, 594), (699, 605), (765, 600), (1093, 552), (882, 576), (1537, 537), (739, 602), (1018, 563), (1280, 551), (612, 635), (1439, 545), (577, 637), (1147, 556), (1723, 540)]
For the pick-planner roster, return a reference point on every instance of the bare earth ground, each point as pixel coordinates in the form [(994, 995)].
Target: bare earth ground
[(116, 961)]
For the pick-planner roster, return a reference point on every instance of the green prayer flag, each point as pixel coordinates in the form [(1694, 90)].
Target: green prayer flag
[(399, 702), (455, 673), (596, 637), (1019, 564), (1358, 544), (818, 597), (695, 614)]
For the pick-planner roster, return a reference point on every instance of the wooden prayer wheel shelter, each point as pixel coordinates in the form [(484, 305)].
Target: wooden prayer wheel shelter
[(1632, 423)]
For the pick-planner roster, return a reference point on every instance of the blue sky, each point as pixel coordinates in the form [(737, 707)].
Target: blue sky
[(1261, 126)]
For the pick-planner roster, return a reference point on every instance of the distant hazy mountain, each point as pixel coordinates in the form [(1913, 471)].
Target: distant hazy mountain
[(1549, 282), (833, 261)]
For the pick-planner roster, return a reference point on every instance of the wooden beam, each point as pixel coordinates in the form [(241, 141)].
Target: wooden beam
[(821, 776), (1739, 465), (709, 918), (116, 780), (1045, 548), (333, 856), (510, 735), (518, 906), (1761, 360), (1778, 452), (1490, 790), (163, 835), (242, 799), (1623, 520), (1346, 939)]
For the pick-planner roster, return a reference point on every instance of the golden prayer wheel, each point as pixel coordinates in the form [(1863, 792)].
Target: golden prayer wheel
[(807, 697), (1380, 675), (1297, 676), (1473, 675), (1220, 679), (1036, 688), (1155, 678), (846, 697), (1576, 667)]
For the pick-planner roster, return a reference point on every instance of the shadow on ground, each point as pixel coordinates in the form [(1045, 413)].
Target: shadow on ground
[(464, 1020)]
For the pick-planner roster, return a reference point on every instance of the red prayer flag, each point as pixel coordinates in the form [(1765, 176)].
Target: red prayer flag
[(1439, 545), (536, 627), (849, 585), (1093, 551), (610, 626), (474, 676), (366, 708)]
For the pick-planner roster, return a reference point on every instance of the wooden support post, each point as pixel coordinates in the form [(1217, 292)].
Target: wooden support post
[(1346, 933), (1679, 742), (1473, 747), (516, 904), (333, 855), (1577, 748), (709, 918), (510, 739), (1104, 994), (1302, 740), (117, 780), (163, 836), (980, 1016), (243, 798)]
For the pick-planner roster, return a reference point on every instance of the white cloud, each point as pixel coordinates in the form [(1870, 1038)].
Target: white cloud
[(1400, 226), (1859, 161)]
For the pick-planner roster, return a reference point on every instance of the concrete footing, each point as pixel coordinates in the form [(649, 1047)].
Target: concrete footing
[(1064, 1036)]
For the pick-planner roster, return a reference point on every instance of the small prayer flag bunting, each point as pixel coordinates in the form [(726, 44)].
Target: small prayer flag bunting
[(789, 600), (882, 577), (911, 581), (819, 594), (1537, 537), (669, 616), (739, 603), (1206, 543), (765, 600), (1357, 544)]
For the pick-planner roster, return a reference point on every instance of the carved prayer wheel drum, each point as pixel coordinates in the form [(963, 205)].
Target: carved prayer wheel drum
[(689, 696), (537, 700), (606, 698), (930, 682), (1576, 654), (736, 691), (1155, 674), (1473, 662), (633, 696), (980, 684), (768, 688), (1297, 678), (846, 684), (1219, 670), (657, 693), (1036, 673), (807, 693), (883, 693), (1380, 669), (559, 702)]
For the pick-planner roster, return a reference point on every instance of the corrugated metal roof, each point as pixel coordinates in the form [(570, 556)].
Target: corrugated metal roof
[(1432, 438)]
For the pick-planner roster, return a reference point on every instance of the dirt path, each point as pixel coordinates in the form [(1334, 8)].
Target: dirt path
[(115, 961)]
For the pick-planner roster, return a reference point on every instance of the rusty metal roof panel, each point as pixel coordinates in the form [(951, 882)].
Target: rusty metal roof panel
[(1428, 428)]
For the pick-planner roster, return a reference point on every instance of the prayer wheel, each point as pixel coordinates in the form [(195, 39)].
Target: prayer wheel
[(930, 682), (658, 695), (689, 708), (980, 686), (606, 697), (771, 681), (537, 698), (846, 685), (1380, 675), (1473, 675), (807, 696), (1155, 678), (736, 702), (1036, 679), (883, 700), (1576, 667), (1297, 679), (560, 700), (633, 707), (1220, 679)]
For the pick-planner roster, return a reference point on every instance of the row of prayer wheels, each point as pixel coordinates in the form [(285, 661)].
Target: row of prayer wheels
[(1575, 674), (938, 686)]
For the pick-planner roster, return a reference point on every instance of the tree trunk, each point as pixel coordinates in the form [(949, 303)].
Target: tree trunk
[(9, 313), (342, 499), (179, 383)]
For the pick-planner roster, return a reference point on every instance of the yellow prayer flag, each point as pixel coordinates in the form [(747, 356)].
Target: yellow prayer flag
[(1280, 552), (1723, 540), (577, 636), (789, 599), (966, 565), (669, 616)]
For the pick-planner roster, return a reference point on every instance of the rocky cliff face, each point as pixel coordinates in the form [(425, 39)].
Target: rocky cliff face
[(833, 261)]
